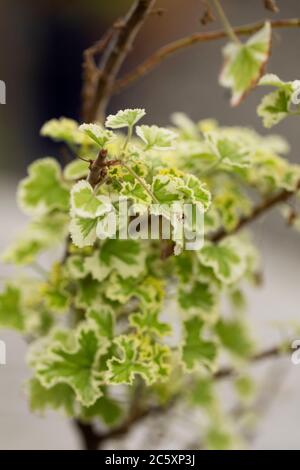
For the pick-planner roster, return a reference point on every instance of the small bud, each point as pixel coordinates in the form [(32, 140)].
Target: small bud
[(271, 6), (207, 17)]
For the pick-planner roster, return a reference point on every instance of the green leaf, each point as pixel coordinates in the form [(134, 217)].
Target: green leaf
[(99, 135), (197, 297), (60, 396), (11, 311), (86, 204), (276, 106), (149, 291), (83, 231), (187, 127), (75, 366), (196, 191), (244, 63), (105, 408), (75, 267), (203, 393), (103, 318), (235, 337), (229, 151), (121, 289), (219, 438), (155, 137), (225, 259), (148, 322), (126, 118), (56, 298), (136, 191), (76, 170), (63, 130), (166, 188), (41, 234), (196, 351), (245, 387), (89, 293), (43, 190), (126, 257), (161, 356), (55, 291), (124, 369), (230, 204)]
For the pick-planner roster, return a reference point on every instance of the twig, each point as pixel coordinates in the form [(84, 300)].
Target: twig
[(225, 22), (90, 70), (276, 351), (168, 50), (256, 212), (117, 48)]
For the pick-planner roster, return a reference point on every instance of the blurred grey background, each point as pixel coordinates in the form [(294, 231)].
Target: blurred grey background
[(41, 45)]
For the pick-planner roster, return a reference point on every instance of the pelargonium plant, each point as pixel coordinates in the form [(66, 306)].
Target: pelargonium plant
[(125, 325)]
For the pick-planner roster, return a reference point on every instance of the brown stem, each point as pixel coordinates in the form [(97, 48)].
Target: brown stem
[(88, 436), (91, 72), (114, 55), (275, 351), (166, 51)]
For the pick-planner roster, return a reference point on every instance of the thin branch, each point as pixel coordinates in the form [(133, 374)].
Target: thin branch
[(225, 22), (98, 92), (257, 211), (168, 50), (90, 70), (276, 351)]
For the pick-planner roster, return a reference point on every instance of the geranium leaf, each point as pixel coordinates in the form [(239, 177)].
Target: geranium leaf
[(60, 396), (83, 231), (97, 133), (225, 260), (124, 369), (41, 234), (85, 203), (148, 322), (197, 297), (156, 137), (63, 130), (196, 351), (76, 366), (76, 170), (11, 312), (126, 257), (103, 318), (126, 118), (235, 337), (276, 106), (105, 408), (244, 63), (43, 190)]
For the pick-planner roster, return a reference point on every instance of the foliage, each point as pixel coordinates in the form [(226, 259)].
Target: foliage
[(99, 320)]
